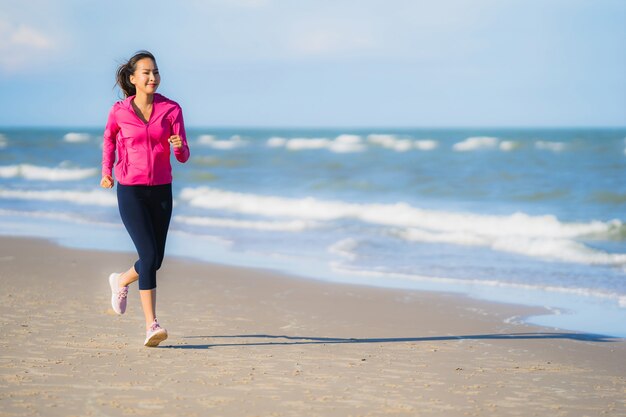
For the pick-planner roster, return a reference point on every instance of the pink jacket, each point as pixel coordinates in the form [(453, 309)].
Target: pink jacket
[(143, 152)]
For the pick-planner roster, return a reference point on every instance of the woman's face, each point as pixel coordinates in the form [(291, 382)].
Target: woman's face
[(146, 78)]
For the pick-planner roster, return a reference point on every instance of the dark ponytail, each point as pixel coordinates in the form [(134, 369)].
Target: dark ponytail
[(124, 71)]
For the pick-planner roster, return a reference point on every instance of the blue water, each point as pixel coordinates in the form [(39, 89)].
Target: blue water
[(514, 215)]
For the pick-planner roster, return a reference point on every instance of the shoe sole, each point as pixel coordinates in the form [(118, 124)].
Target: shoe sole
[(156, 338), (113, 284)]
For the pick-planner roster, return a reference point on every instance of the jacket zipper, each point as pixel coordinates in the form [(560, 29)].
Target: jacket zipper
[(148, 142), (151, 156)]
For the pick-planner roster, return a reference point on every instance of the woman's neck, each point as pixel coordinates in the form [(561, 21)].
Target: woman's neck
[(143, 99)]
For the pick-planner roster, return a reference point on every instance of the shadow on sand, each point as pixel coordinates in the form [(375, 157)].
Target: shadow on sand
[(301, 340)]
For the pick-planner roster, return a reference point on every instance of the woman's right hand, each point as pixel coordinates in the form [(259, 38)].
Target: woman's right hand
[(107, 182)]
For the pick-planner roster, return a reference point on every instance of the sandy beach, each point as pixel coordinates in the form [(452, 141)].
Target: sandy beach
[(248, 342)]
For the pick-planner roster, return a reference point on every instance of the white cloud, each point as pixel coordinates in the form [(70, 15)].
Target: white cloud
[(30, 37), (247, 3), (204, 5), (327, 38), (22, 44)]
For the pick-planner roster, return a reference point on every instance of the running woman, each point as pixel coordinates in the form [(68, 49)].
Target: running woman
[(141, 129)]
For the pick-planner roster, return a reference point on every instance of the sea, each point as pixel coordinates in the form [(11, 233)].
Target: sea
[(527, 216)]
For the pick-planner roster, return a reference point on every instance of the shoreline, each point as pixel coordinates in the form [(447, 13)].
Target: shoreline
[(552, 307), (247, 341)]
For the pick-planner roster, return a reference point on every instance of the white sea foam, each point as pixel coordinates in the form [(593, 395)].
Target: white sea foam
[(508, 145), (456, 238), (550, 146), (557, 249), (382, 139), (476, 142), (299, 144), (9, 171), (347, 144), (425, 144), (341, 144), (392, 142), (348, 139), (91, 197), (620, 299), (537, 236), (399, 214), (276, 142), (233, 142), (566, 250), (206, 139), (34, 172), (67, 217), (74, 137), (278, 226), (402, 145), (345, 248)]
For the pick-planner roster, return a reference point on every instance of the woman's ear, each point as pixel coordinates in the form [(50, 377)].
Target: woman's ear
[(132, 79)]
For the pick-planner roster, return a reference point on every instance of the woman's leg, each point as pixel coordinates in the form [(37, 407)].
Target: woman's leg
[(160, 213), (148, 297), (128, 277), (134, 203), (148, 302)]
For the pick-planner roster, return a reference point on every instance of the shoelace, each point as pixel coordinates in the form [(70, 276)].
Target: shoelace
[(123, 293), (155, 326)]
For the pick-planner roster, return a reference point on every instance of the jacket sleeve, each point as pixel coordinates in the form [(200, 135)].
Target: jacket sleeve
[(108, 146), (178, 128)]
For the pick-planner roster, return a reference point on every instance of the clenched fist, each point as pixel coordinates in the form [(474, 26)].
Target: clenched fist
[(107, 182), (176, 141)]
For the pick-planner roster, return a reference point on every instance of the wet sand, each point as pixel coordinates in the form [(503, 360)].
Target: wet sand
[(246, 342)]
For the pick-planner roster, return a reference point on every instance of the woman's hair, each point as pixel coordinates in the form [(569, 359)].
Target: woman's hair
[(124, 71)]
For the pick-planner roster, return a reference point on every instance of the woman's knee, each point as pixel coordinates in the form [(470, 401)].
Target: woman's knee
[(158, 264)]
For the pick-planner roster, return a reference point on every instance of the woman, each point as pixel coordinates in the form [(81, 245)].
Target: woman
[(141, 129)]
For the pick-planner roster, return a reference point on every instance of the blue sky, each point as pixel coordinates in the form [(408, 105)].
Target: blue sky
[(313, 63)]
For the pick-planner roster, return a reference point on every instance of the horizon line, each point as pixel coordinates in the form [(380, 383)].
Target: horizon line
[(330, 127)]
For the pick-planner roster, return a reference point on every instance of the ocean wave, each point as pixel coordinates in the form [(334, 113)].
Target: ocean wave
[(475, 143), (4, 142), (276, 142), (391, 142), (341, 144), (74, 137), (299, 144), (34, 172), (620, 299), (538, 236), (550, 146), (508, 145), (276, 226), (211, 141), (346, 248), (347, 144), (398, 214), (91, 197), (425, 144), (66, 217), (555, 249)]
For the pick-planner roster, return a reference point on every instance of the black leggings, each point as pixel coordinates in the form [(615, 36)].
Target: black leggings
[(146, 212)]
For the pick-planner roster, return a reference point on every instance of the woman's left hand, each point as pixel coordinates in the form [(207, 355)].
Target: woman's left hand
[(176, 141)]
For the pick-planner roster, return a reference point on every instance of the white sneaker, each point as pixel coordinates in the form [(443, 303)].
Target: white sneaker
[(155, 335), (118, 295)]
